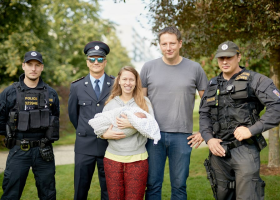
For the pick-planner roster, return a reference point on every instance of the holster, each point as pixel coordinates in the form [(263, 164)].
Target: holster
[(46, 150), (9, 142), (211, 176)]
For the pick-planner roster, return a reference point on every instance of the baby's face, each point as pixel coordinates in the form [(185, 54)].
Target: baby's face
[(140, 115)]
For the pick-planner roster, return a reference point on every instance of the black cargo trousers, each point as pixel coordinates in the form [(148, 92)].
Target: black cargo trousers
[(242, 170), (17, 169)]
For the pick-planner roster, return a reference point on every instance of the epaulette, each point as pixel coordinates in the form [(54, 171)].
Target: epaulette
[(78, 79), (112, 77)]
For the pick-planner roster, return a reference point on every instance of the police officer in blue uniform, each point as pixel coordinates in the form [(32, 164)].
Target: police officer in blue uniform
[(231, 126), (29, 118), (87, 97)]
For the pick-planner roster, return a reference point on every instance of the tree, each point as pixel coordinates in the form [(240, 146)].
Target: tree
[(205, 24), (59, 30), (20, 31)]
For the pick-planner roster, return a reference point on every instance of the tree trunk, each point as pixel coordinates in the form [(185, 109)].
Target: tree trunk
[(274, 158)]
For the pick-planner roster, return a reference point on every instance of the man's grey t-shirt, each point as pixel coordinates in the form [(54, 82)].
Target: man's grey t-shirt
[(171, 90)]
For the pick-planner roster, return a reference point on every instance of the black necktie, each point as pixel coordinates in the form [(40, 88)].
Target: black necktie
[(97, 88)]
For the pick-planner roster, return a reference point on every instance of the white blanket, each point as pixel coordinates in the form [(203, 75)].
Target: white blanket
[(148, 127)]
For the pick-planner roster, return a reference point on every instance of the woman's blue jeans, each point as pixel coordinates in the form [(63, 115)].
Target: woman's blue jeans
[(175, 146)]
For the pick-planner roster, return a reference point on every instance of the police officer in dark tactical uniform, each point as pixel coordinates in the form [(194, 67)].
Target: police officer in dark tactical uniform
[(232, 128), (29, 117), (87, 97)]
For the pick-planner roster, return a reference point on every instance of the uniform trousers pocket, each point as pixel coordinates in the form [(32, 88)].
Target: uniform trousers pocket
[(259, 185)]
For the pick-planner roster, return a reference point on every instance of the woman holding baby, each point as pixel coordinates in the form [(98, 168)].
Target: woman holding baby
[(125, 160)]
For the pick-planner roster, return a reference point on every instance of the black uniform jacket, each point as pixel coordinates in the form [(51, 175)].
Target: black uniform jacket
[(267, 94), (8, 101), (82, 106)]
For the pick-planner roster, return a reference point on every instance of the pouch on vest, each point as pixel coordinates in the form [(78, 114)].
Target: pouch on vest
[(211, 96), (241, 90), (34, 119), (23, 120), (52, 132), (45, 118)]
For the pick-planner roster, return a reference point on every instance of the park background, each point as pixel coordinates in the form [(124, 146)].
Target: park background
[(59, 29)]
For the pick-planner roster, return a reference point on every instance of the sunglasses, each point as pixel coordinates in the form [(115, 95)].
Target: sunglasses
[(99, 60)]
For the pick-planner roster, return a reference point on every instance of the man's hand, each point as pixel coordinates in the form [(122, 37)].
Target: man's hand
[(113, 135), (242, 133), (215, 147), (123, 122), (195, 140)]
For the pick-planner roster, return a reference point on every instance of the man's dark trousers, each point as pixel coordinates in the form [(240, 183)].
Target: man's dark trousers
[(84, 169)]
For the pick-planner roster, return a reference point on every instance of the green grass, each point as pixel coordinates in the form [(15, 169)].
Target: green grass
[(198, 186), (196, 115)]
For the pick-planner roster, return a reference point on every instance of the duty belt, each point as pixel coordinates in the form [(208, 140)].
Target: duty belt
[(26, 144), (233, 144)]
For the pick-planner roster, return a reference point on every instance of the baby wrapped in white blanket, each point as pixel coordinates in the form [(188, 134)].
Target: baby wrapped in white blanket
[(148, 126)]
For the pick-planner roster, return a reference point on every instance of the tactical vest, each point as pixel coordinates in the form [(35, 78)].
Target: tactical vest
[(31, 112), (233, 103)]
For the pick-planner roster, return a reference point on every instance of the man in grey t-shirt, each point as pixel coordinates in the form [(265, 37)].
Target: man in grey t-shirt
[(170, 83)]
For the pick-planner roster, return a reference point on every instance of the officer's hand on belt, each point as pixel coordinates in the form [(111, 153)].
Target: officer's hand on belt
[(215, 147), (242, 133)]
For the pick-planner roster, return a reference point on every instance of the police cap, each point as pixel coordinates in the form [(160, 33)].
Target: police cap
[(96, 48), (227, 49), (33, 55)]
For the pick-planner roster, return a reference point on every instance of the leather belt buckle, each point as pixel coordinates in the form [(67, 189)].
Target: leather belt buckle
[(24, 145)]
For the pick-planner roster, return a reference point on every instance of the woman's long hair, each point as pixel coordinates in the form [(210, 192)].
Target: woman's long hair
[(137, 92)]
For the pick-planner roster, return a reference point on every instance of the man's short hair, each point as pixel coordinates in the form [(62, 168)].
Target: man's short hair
[(170, 30)]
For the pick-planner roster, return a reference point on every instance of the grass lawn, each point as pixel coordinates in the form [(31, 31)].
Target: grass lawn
[(198, 185)]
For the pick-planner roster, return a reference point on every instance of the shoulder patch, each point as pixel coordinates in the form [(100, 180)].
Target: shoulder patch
[(112, 77), (276, 92), (243, 76), (78, 79)]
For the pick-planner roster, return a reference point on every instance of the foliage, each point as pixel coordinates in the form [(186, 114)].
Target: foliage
[(59, 29), (205, 24), (21, 30)]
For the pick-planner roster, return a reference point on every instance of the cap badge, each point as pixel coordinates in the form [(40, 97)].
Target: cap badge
[(96, 47), (33, 54), (225, 47)]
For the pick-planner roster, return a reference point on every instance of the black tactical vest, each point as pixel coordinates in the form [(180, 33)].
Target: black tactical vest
[(31, 112), (233, 103)]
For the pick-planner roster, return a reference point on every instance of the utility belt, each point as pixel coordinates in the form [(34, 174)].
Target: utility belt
[(45, 149), (233, 144), (26, 144), (258, 140), (227, 146)]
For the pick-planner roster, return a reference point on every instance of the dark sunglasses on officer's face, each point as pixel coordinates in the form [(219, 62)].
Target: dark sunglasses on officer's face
[(99, 60)]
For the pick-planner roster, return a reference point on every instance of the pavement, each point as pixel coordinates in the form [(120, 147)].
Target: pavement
[(65, 154)]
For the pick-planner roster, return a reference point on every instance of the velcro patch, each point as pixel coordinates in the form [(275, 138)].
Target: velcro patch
[(210, 99), (242, 77), (276, 92)]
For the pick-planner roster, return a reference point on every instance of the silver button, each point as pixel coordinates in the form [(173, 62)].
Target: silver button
[(84, 103), (98, 104), (79, 133)]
